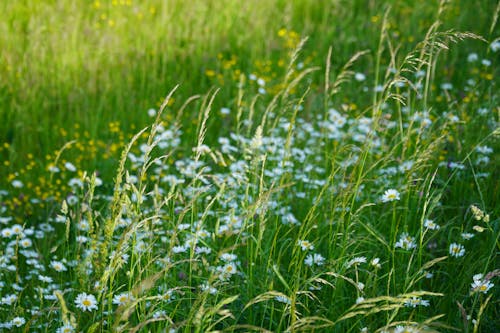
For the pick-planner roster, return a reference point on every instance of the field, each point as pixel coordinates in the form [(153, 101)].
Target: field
[(249, 166)]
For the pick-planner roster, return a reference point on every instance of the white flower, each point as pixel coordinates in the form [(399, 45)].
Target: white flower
[(406, 242), (472, 57), (416, 301), (486, 62), (360, 77), (429, 224), (86, 302), (58, 266), (356, 261), (456, 250), (225, 111), (228, 257), (206, 287), (17, 183), (390, 195), (7, 232), (375, 262), (25, 242), (9, 299), (151, 112), (405, 329), (481, 285), (18, 321), (314, 259), (69, 166), (446, 86), (495, 46), (67, 328), (122, 298), (305, 245)]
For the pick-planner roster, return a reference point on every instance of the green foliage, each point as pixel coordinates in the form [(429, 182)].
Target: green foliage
[(319, 166)]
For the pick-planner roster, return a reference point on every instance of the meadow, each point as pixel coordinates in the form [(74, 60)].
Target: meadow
[(249, 166)]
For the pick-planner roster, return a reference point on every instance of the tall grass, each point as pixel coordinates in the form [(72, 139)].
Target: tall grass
[(338, 191)]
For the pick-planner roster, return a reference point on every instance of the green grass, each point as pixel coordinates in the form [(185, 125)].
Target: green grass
[(226, 166)]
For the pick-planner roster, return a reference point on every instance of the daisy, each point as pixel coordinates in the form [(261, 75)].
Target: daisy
[(356, 261), (18, 321), (406, 242), (456, 250), (390, 195), (86, 302), (305, 245), (429, 224), (416, 301), (66, 328), (122, 298), (375, 262), (314, 259), (58, 266), (480, 285)]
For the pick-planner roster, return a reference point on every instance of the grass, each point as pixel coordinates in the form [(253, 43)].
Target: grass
[(258, 166)]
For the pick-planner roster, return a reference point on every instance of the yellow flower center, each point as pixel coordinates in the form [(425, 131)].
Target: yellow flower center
[(86, 302)]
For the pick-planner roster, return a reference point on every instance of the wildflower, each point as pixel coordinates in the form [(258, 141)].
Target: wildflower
[(359, 77), (227, 270), (356, 261), (456, 250), (375, 262), (58, 266), (429, 224), (446, 86), (7, 232), (390, 195), (467, 235), (314, 259), (228, 257), (472, 57), (405, 329), (495, 46), (481, 286), (122, 298), (206, 287), (44, 278), (86, 302), (416, 301), (18, 321), (225, 111), (25, 242), (360, 299), (151, 112), (406, 242), (486, 62), (305, 245), (17, 229), (17, 183), (66, 328), (9, 299), (53, 169), (69, 166)]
